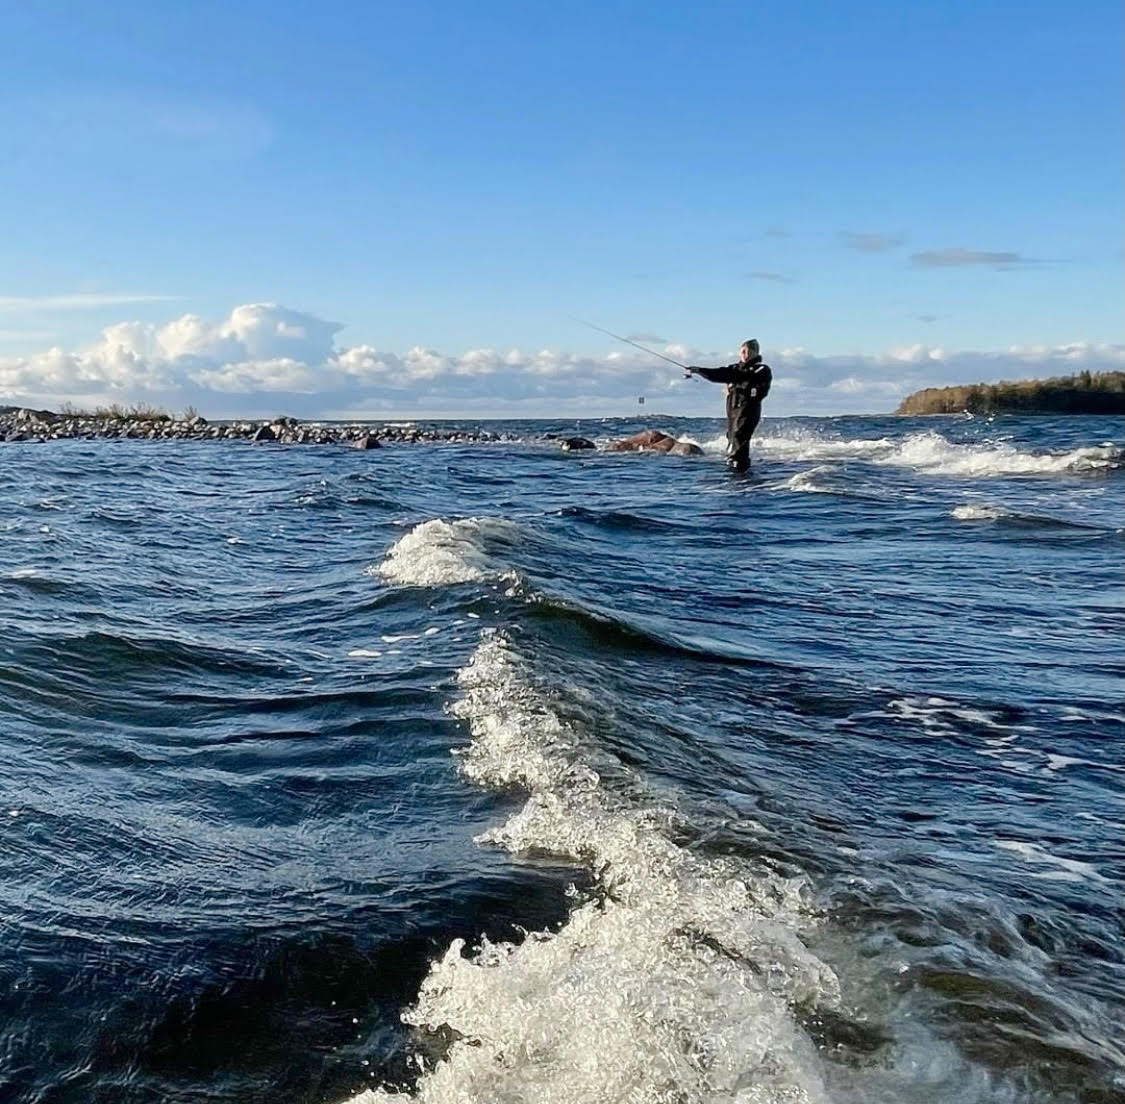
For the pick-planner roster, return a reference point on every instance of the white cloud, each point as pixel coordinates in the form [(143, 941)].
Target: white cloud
[(852, 385), (278, 376), (77, 301), (267, 330), (264, 359), (914, 354)]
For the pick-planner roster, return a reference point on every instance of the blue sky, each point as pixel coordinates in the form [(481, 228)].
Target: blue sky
[(863, 187)]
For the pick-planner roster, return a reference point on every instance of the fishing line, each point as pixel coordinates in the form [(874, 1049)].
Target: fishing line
[(628, 341)]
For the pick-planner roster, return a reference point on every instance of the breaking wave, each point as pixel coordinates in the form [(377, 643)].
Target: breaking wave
[(928, 452), (478, 550), (1012, 519), (978, 513), (934, 454), (439, 552), (682, 981)]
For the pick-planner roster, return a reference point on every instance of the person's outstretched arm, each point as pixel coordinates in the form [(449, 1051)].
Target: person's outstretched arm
[(726, 374)]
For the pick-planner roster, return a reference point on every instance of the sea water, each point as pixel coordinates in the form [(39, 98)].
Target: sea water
[(493, 772)]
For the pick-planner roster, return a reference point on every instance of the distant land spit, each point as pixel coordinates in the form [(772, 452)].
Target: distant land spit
[(1084, 393)]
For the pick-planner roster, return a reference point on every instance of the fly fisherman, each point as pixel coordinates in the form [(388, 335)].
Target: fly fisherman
[(748, 382)]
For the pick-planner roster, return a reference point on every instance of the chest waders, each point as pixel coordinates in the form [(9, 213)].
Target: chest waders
[(743, 415)]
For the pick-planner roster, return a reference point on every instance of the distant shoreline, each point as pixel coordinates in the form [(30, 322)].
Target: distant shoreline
[(1084, 393)]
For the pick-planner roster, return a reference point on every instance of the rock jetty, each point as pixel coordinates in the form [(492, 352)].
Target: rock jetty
[(19, 423), (25, 424)]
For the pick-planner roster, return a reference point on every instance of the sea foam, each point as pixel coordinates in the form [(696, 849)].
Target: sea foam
[(935, 454), (807, 480), (439, 552), (678, 984), (972, 512)]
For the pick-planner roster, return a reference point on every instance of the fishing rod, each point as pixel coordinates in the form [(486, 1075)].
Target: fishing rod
[(628, 341)]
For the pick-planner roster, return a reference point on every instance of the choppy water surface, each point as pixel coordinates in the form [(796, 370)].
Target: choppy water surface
[(492, 772)]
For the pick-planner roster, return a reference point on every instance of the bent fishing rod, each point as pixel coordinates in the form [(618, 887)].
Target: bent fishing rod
[(636, 345)]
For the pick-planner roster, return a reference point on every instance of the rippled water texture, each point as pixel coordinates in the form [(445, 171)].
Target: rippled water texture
[(494, 772)]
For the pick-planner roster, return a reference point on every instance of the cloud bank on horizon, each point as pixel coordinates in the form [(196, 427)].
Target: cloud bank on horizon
[(264, 359)]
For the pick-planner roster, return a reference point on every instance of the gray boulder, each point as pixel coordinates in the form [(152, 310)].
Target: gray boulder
[(574, 444)]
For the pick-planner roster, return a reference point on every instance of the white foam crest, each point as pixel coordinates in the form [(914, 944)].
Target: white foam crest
[(936, 713), (713, 445), (806, 480), (676, 986), (1061, 762), (439, 552), (800, 444), (978, 513), (1050, 867), (932, 453)]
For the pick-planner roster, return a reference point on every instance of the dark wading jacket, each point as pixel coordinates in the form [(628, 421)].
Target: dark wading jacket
[(747, 385)]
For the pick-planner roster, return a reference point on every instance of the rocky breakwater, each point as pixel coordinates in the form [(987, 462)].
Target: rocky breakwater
[(25, 424)]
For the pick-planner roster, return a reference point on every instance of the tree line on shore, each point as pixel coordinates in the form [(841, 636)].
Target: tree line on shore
[(1083, 393)]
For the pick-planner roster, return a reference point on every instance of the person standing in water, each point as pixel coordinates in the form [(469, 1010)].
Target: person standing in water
[(748, 382)]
